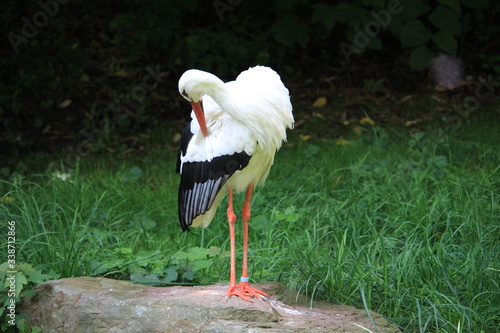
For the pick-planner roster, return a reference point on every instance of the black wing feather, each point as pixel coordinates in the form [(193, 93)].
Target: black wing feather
[(201, 181), (183, 144)]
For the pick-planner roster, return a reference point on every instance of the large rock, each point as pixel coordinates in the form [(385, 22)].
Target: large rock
[(96, 305)]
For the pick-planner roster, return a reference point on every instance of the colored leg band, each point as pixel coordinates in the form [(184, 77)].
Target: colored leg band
[(243, 279)]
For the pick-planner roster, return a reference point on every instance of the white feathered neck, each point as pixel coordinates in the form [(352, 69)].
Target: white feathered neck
[(257, 99)]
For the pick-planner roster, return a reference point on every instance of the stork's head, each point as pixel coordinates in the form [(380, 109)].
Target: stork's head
[(193, 84)]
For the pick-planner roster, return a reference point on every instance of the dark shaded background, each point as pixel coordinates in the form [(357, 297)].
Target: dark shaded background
[(84, 72)]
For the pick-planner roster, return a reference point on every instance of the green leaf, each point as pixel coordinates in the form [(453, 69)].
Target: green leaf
[(419, 135), (123, 250), (324, 13), (311, 150), (20, 282), (475, 4), (201, 264), (213, 251), (289, 31), (189, 275), (151, 278), (446, 20), (197, 253), (148, 254), (171, 274), (420, 58), (137, 277), (396, 25), (37, 277), (29, 293), (440, 161), (414, 34), (353, 15), (192, 254), (98, 268), (133, 174), (412, 10), (142, 220), (4, 267), (453, 4), (445, 41), (24, 267), (4, 301)]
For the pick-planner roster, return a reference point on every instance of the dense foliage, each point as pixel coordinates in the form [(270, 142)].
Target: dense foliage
[(73, 65)]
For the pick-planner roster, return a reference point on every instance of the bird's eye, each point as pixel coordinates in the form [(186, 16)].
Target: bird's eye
[(185, 94)]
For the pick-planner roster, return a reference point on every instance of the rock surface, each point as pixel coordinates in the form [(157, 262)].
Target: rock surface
[(87, 304)]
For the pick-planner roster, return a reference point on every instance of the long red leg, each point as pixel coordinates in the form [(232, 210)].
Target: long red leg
[(231, 218), (244, 286), (245, 216)]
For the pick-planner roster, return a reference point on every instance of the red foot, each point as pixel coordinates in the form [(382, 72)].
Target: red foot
[(244, 290)]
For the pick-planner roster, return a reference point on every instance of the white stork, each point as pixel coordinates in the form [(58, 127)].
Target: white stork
[(236, 129)]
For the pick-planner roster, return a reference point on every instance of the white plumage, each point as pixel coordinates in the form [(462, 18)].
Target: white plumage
[(236, 129), (250, 114)]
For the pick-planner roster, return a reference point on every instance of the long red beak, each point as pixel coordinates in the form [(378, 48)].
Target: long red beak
[(200, 116)]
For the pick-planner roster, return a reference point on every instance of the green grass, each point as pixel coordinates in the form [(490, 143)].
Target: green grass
[(407, 225)]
